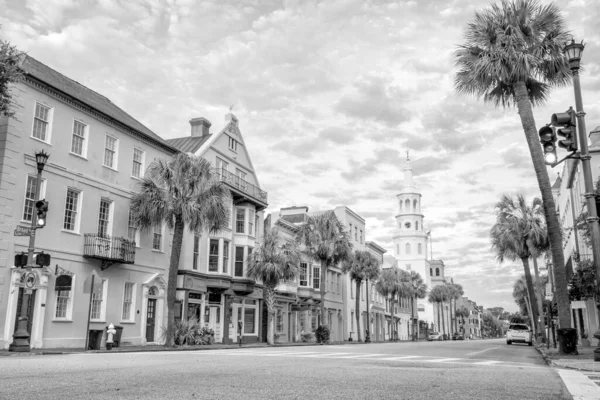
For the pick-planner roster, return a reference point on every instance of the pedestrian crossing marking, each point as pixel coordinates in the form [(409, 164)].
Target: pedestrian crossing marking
[(490, 362), (442, 360)]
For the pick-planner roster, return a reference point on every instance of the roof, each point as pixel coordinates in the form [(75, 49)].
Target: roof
[(188, 144), (376, 247), (294, 218), (60, 82), (557, 183)]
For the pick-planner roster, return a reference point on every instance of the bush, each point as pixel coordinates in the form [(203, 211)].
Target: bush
[(190, 332), (322, 334), (307, 337), (204, 336)]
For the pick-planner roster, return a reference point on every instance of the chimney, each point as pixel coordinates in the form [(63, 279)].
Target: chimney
[(200, 126)]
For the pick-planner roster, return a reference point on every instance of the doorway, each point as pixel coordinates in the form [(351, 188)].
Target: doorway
[(30, 304), (150, 320)]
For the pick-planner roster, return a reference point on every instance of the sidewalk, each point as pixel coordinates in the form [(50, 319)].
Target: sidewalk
[(584, 361), (155, 348)]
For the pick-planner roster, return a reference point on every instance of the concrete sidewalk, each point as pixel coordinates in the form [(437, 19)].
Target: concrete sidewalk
[(154, 348), (584, 361)]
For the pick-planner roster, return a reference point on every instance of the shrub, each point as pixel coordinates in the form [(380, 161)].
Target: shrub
[(322, 334), (307, 337), (204, 336)]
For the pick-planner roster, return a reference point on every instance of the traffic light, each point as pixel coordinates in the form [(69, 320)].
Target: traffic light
[(566, 126), (42, 208), (20, 260), (548, 141), (43, 259)]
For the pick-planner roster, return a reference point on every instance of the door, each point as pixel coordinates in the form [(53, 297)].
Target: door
[(30, 304), (150, 320), (214, 321)]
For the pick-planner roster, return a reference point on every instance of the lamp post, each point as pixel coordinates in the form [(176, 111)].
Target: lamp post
[(21, 336), (573, 51)]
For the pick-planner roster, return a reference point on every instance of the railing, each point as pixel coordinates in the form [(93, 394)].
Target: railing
[(115, 249), (242, 185)]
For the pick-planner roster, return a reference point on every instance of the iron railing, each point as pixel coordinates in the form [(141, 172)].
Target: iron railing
[(241, 184), (116, 249)]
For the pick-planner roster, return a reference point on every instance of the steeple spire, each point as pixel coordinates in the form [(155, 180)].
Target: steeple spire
[(408, 177)]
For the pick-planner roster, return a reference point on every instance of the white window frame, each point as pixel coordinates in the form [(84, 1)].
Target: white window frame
[(232, 144), (303, 271), (109, 224), (85, 137), (133, 305), (115, 151), (70, 301), (142, 163), (76, 223), (42, 196), (137, 231), (160, 230), (251, 221), (102, 317), (243, 225), (318, 277), (48, 137)]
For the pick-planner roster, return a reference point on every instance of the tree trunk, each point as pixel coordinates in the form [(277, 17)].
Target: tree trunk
[(528, 305), (439, 327), (554, 231), (323, 289), (412, 315), (393, 330), (357, 306), (538, 290), (532, 297), (270, 303), (368, 327), (443, 321), (172, 280)]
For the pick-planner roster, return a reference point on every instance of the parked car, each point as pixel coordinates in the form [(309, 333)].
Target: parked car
[(435, 336), (519, 333), (457, 336)]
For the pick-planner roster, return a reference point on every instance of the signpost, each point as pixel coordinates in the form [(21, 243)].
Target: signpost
[(24, 230)]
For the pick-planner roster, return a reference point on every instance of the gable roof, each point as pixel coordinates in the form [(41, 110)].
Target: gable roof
[(68, 86), (189, 144)]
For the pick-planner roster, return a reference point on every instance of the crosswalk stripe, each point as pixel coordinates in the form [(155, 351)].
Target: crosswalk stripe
[(491, 362)]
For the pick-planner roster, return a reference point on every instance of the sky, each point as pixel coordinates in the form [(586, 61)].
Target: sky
[(329, 96)]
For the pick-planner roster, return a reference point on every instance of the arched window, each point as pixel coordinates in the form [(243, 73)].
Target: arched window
[(430, 271), (417, 225), (400, 205), (415, 205), (153, 291), (437, 272), (398, 249), (407, 205), (420, 248), (407, 248)]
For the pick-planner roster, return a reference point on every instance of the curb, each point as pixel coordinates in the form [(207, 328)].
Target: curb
[(547, 359)]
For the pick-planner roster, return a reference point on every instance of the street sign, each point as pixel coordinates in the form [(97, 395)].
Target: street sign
[(23, 230), (30, 280)]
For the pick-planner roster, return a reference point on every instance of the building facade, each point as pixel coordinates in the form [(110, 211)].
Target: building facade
[(98, 154), (212, 283)]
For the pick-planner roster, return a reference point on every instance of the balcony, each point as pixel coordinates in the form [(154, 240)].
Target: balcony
[(243, 190), (109, 250), (287, 287)]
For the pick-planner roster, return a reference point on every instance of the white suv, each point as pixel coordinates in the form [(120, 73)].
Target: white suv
[(519, 333)]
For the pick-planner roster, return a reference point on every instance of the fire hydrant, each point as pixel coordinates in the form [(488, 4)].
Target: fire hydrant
[(110, 331)]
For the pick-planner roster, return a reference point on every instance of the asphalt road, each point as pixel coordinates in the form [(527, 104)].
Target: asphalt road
[(487, 369)]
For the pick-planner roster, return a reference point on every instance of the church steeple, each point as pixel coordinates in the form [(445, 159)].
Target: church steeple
[(408, 185)]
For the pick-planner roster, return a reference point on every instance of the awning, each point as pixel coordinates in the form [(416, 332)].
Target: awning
[(63, 283)]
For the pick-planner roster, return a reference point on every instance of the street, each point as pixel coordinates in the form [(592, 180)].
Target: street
[(483, 369)]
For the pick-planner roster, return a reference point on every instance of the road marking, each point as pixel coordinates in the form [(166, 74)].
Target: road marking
[(481, 351), (490, 362), (580, 387), (319, 354), (442, 360), (400, 358)]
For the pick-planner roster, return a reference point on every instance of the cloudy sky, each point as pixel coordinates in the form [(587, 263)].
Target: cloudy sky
[(329, 94)]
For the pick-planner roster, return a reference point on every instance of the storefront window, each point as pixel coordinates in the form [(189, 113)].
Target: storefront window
[(249, 318)]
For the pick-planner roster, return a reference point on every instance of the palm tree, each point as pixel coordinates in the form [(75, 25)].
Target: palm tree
[(391, 286), (437, 295), (462, 313), (520, 294), (512, 55), (325, 240), (371, 274), (420, 292), (272, 263), (456, 292), (360, 267), (519, 228), (180, 191)]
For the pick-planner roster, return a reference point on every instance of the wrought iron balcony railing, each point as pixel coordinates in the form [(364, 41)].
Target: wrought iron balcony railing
[(109, 249), (242, 185)]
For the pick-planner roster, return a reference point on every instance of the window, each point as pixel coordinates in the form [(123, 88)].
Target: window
[(361, 236), (138, 163), (104, 218), (416, 225), (132, 230), (352, 321), (420, 248), (157, 238), (196, 251), (437, 272), (250, 222), (249, 319), (256, 226), (64, 297), (225, 256), (239, 261), (398, 249), (351, 290), (303, 274), (78, 144), (110, 152), (232, 144), (407, 248), (29, 204), (41, 122), (313, 322), (430, 271), (316, 277), (128, 301), (279, 321), (99, 302), (213, 255), (62, 301), (355, 233), (71, 211), (240, 220), (350, 228)]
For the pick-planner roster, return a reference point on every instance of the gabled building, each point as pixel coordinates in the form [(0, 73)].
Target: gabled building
[(98, 153), (212, 284)]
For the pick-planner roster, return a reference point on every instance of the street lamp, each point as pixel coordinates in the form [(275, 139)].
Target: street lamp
[(21, 336)]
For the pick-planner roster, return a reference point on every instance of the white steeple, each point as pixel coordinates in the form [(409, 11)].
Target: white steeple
[(408, 185)]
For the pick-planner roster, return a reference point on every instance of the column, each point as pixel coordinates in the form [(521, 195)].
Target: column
[(225, 319)]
